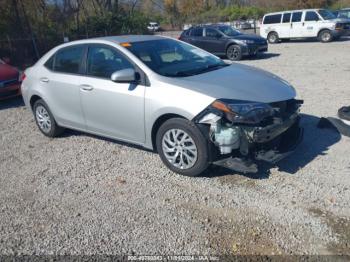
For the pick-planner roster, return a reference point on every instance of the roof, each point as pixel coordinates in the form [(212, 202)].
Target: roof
[(130, 38), (290, 11)]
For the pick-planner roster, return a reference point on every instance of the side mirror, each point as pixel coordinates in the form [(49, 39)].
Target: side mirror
[(125, 76)]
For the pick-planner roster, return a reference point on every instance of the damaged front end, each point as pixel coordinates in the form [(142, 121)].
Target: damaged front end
[(241, 133)]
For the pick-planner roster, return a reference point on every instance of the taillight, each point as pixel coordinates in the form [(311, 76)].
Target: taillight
[(22, 77)]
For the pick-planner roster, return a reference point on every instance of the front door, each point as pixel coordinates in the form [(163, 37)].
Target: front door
[(311, 24), (296, 25), (112, 109), (213, 41)]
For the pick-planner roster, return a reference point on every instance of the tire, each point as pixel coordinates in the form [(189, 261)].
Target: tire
[(273, 38), (234, 53), (172, 131), (45, 120), (325, 36)]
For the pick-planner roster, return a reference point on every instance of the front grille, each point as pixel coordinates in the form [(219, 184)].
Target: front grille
[(7, 83)]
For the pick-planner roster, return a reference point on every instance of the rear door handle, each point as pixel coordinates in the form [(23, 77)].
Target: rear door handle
[(44, 80), (86, 87)]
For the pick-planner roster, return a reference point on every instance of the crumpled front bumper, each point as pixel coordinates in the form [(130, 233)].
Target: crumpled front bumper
[(270, 152), (241, 147)]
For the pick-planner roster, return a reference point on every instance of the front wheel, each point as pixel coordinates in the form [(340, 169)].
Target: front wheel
[(325, 36), (234, 53), (182, 147)]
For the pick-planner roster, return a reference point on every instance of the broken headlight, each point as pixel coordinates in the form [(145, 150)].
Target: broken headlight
[(243, 112)]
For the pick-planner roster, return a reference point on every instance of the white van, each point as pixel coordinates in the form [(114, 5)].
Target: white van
[(318, 23)]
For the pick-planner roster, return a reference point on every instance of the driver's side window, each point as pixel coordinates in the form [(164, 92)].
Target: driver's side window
[(209, 32), (103, 61)]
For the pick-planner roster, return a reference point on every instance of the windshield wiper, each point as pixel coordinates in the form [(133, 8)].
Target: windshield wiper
[(211, 68), (180, 73)]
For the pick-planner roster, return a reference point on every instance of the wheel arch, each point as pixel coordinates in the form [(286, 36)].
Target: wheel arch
[(323, 29), (33, 99), (158, 123), (229, 43)]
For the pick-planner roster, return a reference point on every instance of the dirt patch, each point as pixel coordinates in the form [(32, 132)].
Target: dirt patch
[(341, 229), (227, 234)]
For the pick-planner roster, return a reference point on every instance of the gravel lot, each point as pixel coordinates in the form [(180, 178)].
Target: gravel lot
[(80, 194)]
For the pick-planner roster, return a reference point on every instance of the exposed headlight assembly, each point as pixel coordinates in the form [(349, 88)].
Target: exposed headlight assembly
[(243, 112)]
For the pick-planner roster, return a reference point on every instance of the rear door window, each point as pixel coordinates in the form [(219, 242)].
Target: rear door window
[(68, 60), (286, 17), (297, 16), (197, 32), (272, 19)]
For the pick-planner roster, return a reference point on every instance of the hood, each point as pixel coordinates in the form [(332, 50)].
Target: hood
[(239, 82), (338, 20), (7, 72), (249, 37)]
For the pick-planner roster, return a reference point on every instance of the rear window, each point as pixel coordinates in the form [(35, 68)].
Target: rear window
[(197, 32), (297, 16), (272, 19), (286, 17), (69, 59)]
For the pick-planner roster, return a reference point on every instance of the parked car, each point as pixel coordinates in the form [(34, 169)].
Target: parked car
[(165, 95), (9, 81), (153, 26), (308, 23), (343, 13), (224, 40)]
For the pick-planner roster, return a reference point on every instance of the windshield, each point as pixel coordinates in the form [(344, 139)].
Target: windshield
[(173, 58), (326, 14), (229, 31)]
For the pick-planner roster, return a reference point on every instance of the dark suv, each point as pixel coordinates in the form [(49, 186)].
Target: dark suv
[(224, 40)]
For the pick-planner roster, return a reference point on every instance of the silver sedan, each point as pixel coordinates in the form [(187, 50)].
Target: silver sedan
[(168, 96)]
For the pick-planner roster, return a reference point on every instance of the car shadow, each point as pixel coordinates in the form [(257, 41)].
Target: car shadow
[(71, 132), (316, 142), (262, 56), (11, 103), (314, 40)]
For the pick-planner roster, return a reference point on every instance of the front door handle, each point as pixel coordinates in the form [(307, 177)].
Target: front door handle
[(86, 87), (44, 80)]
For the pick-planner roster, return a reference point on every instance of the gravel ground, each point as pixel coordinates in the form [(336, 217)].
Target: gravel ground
[(81, 194)]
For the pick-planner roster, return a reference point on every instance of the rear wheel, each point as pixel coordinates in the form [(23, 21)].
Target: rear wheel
[(273, 38), (182, 147), (45, 120), (325, 36), (234, 53)]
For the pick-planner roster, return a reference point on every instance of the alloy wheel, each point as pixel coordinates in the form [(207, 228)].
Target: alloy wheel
[(233, 53), (179, 149), (43, 118)]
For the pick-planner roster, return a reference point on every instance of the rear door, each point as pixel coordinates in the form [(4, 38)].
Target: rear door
[(60, 81), (297, 25), (310, 24), (196, 37), (285, 27), (111, 109), (213, 41)]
